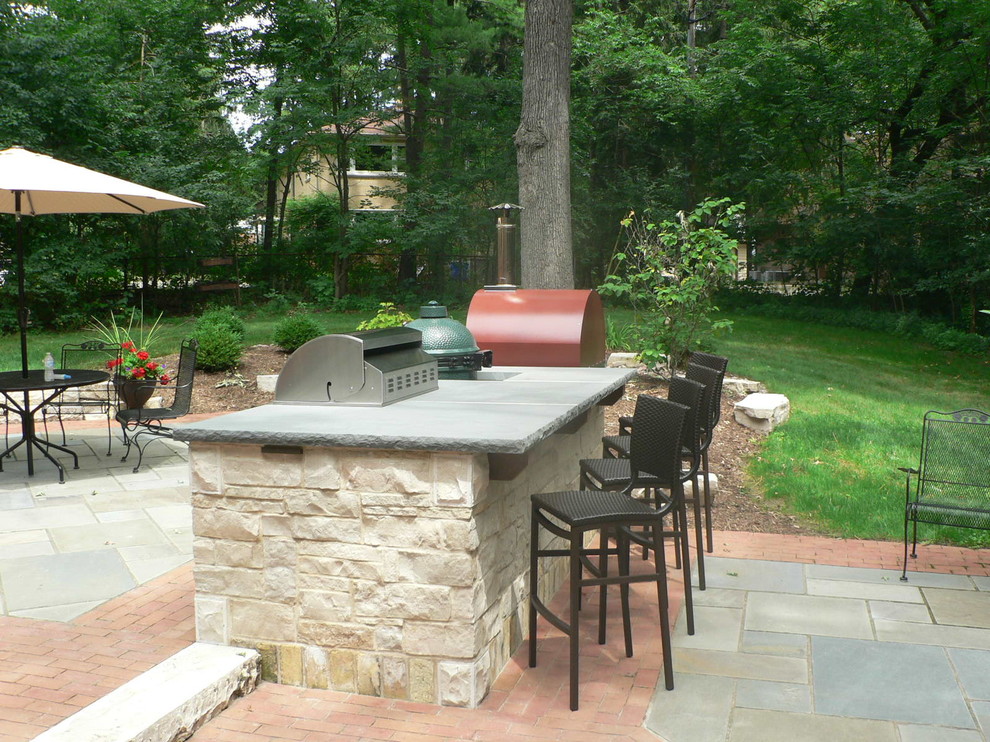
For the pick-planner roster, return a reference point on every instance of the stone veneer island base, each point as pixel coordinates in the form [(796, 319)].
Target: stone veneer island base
[(385, 551)]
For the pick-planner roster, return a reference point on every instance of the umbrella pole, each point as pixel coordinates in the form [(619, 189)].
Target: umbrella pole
[(21, 308)]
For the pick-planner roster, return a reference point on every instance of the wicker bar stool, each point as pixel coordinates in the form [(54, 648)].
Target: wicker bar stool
[(719, 364), (571, 515), (695, 452), (620, 474)]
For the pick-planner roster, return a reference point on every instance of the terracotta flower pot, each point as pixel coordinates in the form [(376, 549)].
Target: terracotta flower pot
[(133, 393)]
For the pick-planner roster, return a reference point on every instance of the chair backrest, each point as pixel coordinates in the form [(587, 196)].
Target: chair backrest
[(658, 432), (955, 447), (719, 363), (712, 402), (89, 354), (184, 377), (92, 354), (692, 395)]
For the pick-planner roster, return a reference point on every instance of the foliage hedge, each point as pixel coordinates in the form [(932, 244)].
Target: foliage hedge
[(808, 309)]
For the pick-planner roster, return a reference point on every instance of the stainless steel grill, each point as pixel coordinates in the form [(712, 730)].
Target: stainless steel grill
[(372, 368)]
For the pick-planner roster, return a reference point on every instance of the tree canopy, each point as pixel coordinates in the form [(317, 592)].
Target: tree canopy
[(854, 130)]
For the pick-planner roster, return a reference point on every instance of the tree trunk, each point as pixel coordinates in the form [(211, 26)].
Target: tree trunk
[(543, 147)]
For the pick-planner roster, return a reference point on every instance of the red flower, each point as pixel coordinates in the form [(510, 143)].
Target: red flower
[(113, 363), (127, 345), (143, 355), (150, 366), (166, 379), (139, 373)]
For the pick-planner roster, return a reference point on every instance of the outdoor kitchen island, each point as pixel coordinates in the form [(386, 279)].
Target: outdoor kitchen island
[(383, 550)]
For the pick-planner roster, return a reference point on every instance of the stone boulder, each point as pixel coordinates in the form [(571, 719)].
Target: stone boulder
[(736, 386), (762, 412)]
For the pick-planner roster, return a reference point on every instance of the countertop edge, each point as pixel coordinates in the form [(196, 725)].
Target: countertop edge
[(206, 431)]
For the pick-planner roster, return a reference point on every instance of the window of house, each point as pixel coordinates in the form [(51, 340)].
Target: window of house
[(378, 158)]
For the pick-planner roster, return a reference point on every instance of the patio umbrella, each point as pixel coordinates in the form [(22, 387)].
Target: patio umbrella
[(38, 184)]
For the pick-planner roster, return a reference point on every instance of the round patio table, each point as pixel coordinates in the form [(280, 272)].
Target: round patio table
[(16, 388)]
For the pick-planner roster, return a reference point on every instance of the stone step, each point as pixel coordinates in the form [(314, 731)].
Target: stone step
[(168, 702)]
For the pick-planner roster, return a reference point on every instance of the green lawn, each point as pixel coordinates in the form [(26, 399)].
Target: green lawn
[(857, 400)]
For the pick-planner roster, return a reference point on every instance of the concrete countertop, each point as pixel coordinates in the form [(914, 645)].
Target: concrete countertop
[(510, 411)]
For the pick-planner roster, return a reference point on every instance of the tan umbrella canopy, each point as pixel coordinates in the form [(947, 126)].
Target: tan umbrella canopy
[(32, 184)]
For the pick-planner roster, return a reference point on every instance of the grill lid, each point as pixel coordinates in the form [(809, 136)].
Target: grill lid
[(370, 368), (441, 334), (450, 342)]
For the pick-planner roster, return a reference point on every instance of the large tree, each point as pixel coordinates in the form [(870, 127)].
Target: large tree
[(543, 146)]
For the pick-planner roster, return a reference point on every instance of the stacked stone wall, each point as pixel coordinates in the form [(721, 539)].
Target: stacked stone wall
[(387, 573)]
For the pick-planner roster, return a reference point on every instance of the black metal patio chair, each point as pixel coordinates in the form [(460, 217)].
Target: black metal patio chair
[(149, 423), (99, 398), (952, 481)]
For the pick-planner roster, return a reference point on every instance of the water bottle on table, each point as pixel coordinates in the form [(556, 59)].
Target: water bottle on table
[(49, 367)]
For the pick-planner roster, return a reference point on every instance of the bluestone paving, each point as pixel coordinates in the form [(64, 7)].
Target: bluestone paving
[(761, 694), (981, 710), (973, 668), (719, 597), (58, 579), (887, 576), (883, 610), (715, 628), (868, 660), (751, 574), (699, 709), (66, 548), (739, 665), (910, 632), (959, 608), (808, 614), (865, 591), (918, 682), (927, 733), (107, 535), (757, 725), (768, 642)]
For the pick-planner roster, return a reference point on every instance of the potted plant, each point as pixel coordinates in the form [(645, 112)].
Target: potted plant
[(135, 372), (135, 375)]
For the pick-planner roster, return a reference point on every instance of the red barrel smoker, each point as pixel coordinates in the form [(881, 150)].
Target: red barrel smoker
[(535, 327)]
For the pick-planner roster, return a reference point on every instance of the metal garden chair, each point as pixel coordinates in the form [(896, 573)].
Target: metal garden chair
[(92, 354), (150, 422), (952, 481)]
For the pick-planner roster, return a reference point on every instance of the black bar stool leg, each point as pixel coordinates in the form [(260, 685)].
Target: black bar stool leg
[(622, 543), (698, 536), (663, 599), (575, 590), (603, 589), (534, 587)]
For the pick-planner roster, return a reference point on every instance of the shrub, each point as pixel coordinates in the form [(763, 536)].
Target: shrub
[(224, 317), (669, 272), (388, 315), (219, 348), (294, 331), (949, 338)]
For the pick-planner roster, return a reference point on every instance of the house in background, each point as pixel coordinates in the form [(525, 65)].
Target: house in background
[(377, 161)]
